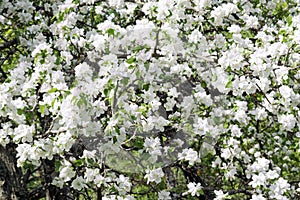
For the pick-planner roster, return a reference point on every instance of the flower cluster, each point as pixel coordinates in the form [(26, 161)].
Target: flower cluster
[(150, 99)]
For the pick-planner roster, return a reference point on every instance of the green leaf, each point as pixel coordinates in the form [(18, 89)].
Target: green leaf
[(110, 32), (19, 111), (57, 165), (52, 103), (61, 17), (289, 20), (146, 87), (78, 162), (125, 81), (42, 109), (131, 60), (147, 65), (131, 67), (106, 92), (229, 83), (52, 90)]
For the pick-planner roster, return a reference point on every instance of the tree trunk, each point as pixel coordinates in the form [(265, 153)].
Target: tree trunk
[(11, 187)]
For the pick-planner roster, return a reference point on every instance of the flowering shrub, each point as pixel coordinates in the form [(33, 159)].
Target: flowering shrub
[(150, 99)]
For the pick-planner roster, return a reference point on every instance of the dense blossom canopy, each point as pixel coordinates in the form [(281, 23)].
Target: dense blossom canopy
[(168, 99)]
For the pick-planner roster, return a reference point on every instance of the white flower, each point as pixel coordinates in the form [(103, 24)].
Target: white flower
[(286, 92), (23, 153), (272, 174), (234, 29), (154, 175), (223, 11), (236, 131), (4, 139), (204, 98), (89, 154), (189, 155), (220, 195), (90, 174), (188, 104), (164, 195), (260, 113), (99, 42), (258, 180), (288, 121), (83, 71), (227, 153), (241, 116), (66, 173), (116, 3), (258, 197), (123, 184), (41, 47), (64, 142), (201, 126), (78, 183), (160, 122), (19, 103), (155, 104), (193, 189), (261, 164), (251, 21), (201, 4), (58, 182), (220, 79), (195, 36), (279, 187), (231, 173), (153, 146), (232, 58), (23, 132)]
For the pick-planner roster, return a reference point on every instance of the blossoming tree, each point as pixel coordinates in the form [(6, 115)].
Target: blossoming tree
[(186, 99)]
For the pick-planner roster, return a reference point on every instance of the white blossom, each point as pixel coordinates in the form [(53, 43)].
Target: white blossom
[(154, 175), (189, 155), (78, 183), (194, 189), (164, 195), (220, 195)]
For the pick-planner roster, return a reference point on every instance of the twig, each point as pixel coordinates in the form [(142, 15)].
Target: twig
[(263, 93), (115, 98)]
